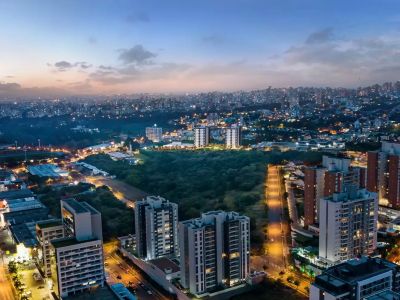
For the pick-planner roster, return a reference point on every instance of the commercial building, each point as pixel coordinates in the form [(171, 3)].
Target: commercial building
[(214, 251), (156, 226), (201, 136), (233, 137), (47, 170), (46, 231), (383, 175), (358, 279), (154, 134), (79, 256), (348, 225)]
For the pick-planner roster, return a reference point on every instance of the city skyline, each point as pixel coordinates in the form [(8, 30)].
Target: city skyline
[(75, 48)]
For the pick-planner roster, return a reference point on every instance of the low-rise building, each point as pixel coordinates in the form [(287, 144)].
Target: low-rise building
[(357, 279)]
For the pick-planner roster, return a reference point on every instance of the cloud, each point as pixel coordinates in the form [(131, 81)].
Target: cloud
[(138, 17), (62, 66), (132, 73), (321, 36), (213, 39), (6, 87), (83, 65), (92, 40), (136, 55), (13, 90)]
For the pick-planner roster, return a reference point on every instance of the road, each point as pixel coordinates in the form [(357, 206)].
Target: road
[(277, 249), (278, 229), (117, 266), (6, 289), (121, 190)]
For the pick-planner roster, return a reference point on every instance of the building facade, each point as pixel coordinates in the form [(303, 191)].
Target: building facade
[(334, 176), (214, 251), (384, 174), (201, 136), (154, 134), (79, 255), (46, 231), (156, 228), (313, 190), (233, 137), (348, 226), (358, 279)]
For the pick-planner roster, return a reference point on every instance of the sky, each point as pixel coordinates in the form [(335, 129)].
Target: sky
[(76, 47)]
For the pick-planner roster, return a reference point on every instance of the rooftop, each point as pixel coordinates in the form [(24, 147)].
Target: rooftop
[(122, 292), (69, 241), (103, 293), (76, 205), (385, 295), (28, 215), (47, 170), (21, 233), (335, 279), (166, 265), (16, 194), (49, 223)]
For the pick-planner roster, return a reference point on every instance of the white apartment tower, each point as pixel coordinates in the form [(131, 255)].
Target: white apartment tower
[(201, 136), (214, 251), (154, 133), (156, 228), (79, 256), (348, 225), (233, 137)]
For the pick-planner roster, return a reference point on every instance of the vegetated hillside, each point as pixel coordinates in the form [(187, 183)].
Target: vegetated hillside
[(200, 181)]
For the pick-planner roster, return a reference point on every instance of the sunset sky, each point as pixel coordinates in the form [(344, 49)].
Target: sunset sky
[(103, 47)]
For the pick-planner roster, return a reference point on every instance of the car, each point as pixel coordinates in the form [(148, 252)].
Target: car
[(119, 277), (149, 292)]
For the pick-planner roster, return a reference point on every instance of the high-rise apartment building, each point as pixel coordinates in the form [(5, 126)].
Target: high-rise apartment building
[(214, 251), (348, 225), (358, 279), (156, 228), (201, 136), (233, 137), (79, 256), (154, 134), (383, 175), (313, 190), (46, 231), (333, 176)]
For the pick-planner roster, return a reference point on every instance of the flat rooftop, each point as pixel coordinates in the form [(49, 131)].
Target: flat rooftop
[(16, 194), (28, 215), (69, 241), (385, 295), (103, 293), (22, 234), (76, 205), (47, 170), (336, 278), (165, 265), (49, 223)]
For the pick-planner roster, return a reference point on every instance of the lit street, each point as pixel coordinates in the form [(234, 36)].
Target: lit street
[(277, 249), (119, 270), (6, 289)]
